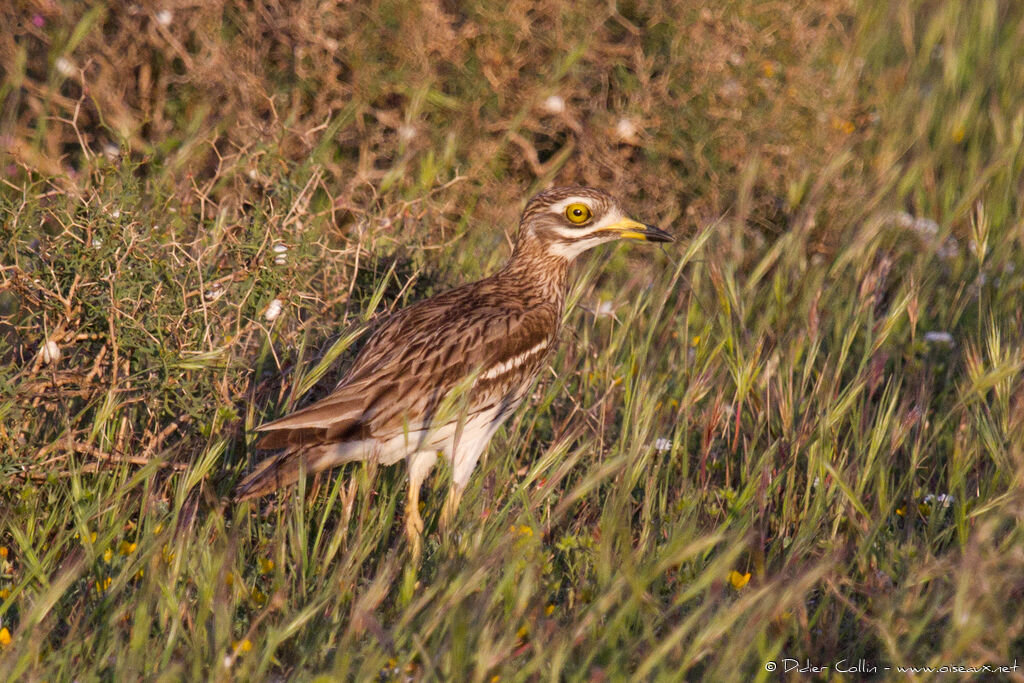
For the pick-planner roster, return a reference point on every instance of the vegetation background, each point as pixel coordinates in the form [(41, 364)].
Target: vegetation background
[(796, 433)]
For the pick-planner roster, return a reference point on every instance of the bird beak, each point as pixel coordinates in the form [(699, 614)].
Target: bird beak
[(628, 228)]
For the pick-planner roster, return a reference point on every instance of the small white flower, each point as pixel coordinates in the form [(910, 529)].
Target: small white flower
[(731, 89), (928, 230), (945, 499), (65, 67), (97, 243), (164, 17), (280, 254), (949, 250), (406, 132), (604, 309), (925, 227), (626, 130), (50, 352), (938, 337), (554, 105), (111, 151), (116, 213), (662, 445), (273, 310), (215, 291)]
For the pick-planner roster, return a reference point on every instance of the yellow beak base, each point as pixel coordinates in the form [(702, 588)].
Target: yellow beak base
[(630, 229)]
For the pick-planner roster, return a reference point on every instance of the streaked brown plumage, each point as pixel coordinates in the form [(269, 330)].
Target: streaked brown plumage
[(444, 373)]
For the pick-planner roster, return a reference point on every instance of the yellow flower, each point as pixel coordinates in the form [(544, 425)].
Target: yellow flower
[(3, 552), (843, 125), (244, 645), (549, 610), (108, 555), (4, 593), (266, 565), (738, 580), (258, 597), (900, 511), (5, 637), (103, 585), (168, 554), (127, 548), (523, 633)]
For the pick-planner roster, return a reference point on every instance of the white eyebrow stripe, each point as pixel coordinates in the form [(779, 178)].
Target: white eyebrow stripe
[(559, 207), (514, 361)]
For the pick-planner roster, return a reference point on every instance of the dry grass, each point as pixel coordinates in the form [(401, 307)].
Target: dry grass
[(779, 396)]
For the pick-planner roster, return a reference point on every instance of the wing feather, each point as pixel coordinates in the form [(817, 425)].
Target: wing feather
[(413, 362)]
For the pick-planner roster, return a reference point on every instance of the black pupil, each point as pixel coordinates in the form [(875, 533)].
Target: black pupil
[(577, 212)]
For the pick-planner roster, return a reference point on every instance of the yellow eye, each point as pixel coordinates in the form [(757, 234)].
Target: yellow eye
[(577, 213)]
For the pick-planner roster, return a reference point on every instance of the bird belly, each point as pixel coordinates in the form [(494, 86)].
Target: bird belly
[(472, 442), (458, 445)]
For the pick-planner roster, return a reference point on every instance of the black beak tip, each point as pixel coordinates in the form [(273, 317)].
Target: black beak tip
[(656, 234)]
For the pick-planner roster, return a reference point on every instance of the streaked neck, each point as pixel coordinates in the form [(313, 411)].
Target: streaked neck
[(533, 267)]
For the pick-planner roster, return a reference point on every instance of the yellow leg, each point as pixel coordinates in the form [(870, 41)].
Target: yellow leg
[(419, 467), (413, 522), (451, 506), (463, 463)]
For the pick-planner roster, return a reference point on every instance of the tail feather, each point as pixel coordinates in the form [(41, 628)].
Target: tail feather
[(286, 467), (287, 438), (273, 473)]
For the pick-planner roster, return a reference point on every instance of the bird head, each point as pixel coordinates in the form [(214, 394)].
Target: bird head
[(566, 221)]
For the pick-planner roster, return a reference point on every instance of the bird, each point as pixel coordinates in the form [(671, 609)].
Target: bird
[(441, 375)]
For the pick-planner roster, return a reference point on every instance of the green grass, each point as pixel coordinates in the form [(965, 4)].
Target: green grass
[(818, 385)]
